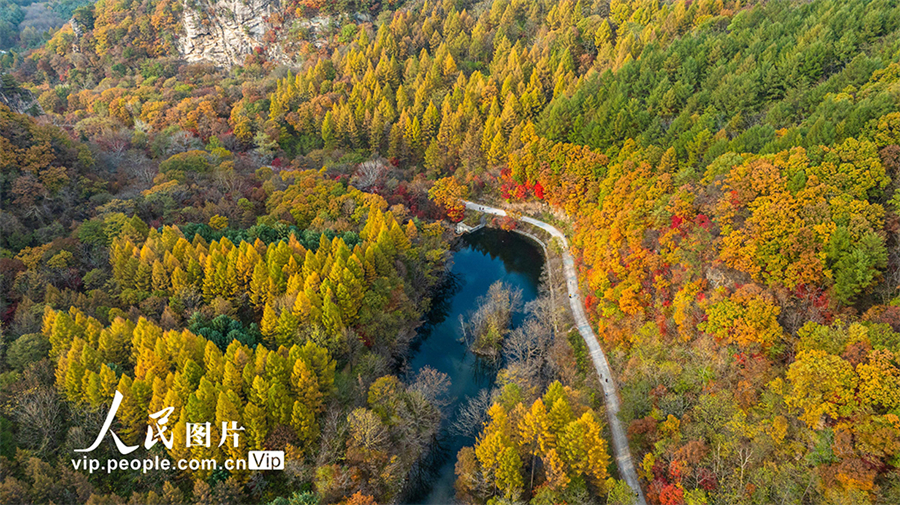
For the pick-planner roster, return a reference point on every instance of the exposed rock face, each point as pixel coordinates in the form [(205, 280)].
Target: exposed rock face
[(17, 98), (77, 29), (224, 31)]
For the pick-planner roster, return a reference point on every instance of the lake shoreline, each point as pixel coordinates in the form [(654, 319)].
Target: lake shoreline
[(479, 259)]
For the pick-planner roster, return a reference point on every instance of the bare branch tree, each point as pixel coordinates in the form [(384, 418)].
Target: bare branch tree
[(366, 429), (472, 416), (433, 385), (182, 141), (40, 415), (368, 173), (139, 167), (334, 431)]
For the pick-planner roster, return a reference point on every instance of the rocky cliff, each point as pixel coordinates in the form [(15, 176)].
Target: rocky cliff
[(224, 31)]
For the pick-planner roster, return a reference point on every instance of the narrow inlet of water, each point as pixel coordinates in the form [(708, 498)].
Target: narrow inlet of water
[(482, 258)]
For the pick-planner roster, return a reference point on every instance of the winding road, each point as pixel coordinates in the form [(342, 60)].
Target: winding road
[(601, 365)]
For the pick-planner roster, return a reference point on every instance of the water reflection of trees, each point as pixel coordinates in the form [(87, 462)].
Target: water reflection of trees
[(465, 413), (429, 468), (441, 305), (518, 254)]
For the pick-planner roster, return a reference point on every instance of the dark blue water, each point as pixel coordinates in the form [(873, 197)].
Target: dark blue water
[(483, 258)]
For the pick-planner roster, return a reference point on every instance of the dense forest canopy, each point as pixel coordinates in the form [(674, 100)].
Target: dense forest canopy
[(261, 241)]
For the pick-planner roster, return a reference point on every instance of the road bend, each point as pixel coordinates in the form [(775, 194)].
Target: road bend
[(601, 365)]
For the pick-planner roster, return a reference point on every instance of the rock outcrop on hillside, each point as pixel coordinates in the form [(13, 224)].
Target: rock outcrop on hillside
[(224, 32)]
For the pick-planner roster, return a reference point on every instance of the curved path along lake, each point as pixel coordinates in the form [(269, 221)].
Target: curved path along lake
[(483, 257), (601, 365)]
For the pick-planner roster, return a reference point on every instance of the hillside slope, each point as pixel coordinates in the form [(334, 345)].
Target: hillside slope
[(727, 171)]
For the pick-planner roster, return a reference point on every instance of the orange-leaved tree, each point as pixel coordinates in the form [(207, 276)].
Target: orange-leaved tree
[(449, 193)]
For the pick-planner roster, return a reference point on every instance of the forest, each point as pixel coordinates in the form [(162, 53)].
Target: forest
[(261, 242)]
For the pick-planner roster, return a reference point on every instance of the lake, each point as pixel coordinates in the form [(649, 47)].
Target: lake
[(482, 258)]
